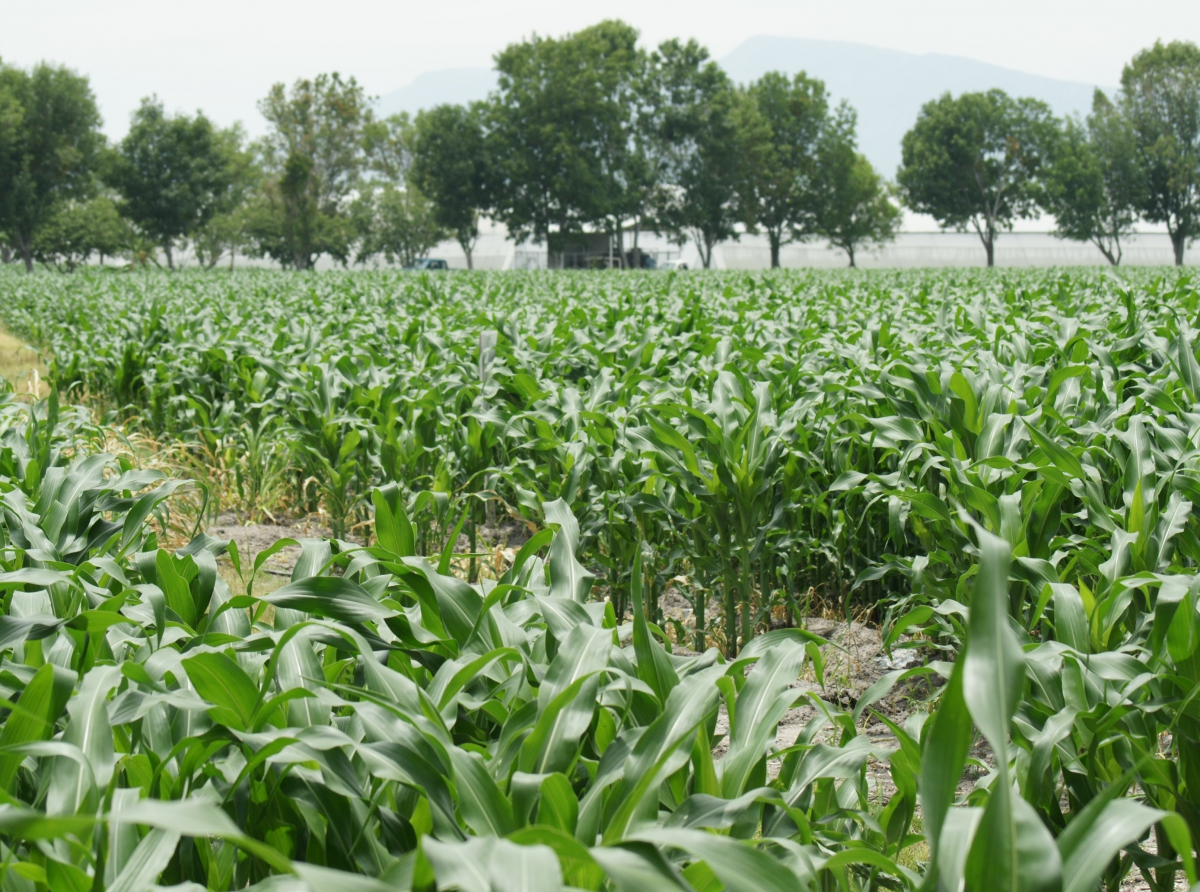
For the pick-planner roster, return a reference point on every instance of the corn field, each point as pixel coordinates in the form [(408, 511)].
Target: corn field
[(998, 469)]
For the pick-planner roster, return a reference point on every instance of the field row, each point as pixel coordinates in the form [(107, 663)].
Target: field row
[(1002, 468)]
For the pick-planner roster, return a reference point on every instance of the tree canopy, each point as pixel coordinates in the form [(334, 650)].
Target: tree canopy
[(588, 136), (696, 130), (1160, 98), (172, 172), (559, 129), (976, 160), (313, 155), (1095, 184), (782, 121), (452, 166), (853, 204), (49, 148)]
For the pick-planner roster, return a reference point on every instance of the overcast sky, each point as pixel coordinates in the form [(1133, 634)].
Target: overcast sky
[(222, 55)]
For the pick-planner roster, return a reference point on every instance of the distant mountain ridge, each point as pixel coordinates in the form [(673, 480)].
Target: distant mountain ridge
[(458, 86), (886, 87)]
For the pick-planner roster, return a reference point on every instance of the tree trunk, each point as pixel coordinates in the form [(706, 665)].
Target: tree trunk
[(470, 261), (850, 251), (987, 235), (1114, 259), (774, 237), (705, 245), (170, 256), (25, 249), (1179, 243)]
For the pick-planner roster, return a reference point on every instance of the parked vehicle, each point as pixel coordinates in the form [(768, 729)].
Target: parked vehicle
[(673, 265), (428, 263)]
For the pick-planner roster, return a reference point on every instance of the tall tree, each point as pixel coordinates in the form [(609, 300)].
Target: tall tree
[(1095, 183), (853, 205), (975, 161), (79, 229), (560, 130), (11, 118), (171, 171), (391, 214), (451, 166), (226, 231), (395, 221), (783, 121), (313, 155), (696, 129), (48, 149), (1160, 97)]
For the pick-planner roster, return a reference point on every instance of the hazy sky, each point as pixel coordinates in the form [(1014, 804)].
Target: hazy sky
[(222, 55)]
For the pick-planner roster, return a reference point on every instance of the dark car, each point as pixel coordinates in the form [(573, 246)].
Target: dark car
[(428, 263)]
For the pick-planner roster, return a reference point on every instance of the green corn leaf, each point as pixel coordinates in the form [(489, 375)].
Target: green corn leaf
[(484, 807), (568, 577), (761, 704), (334, 597), (393, 529), (33, 717), (740, 866), (1012, 849), (224, 684), (147, 861), (995, 665), (175, 588), (945, 744), (653, 665)]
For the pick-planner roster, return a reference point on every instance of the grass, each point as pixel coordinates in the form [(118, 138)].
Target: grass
[(21, 365)]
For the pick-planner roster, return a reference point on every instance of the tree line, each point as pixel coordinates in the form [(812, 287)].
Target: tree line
[(587, 133)]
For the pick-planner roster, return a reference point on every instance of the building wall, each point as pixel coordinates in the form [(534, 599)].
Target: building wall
[(494, 251), (953, 249)]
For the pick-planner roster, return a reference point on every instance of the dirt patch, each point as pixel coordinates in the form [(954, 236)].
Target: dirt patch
[(254, 538)]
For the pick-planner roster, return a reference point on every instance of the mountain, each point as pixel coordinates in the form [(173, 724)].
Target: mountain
[(886, 87), (453, 85)]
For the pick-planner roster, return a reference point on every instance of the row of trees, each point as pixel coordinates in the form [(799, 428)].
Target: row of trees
[(326, 179), (983, 160), (585, 133)]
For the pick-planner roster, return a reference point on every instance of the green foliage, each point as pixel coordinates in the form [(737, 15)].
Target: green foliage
[(782, 121), (1095, 185), (977, 161), (398, 223), (853, 203), (171, 171), (695, 126), (391, 215), (559, 129), (452, 166), (378, 723), (313, 157), (48, 150), (225, 231), (1160, 98), (77, 230)]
